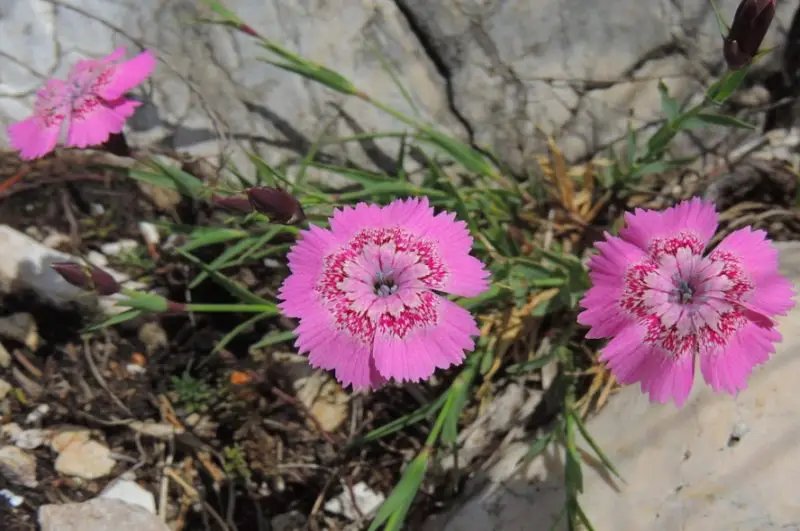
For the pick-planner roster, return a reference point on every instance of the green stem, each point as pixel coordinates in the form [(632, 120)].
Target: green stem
[(268, 309)]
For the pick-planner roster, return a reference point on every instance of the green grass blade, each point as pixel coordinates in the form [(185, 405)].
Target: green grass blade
[(127, 315), (403, 422), (595, 447)]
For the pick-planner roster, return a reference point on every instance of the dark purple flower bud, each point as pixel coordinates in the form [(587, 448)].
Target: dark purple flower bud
[(244, 28), (749, 26), (236, 203), (117, 145), (278, 205), (87, 277)]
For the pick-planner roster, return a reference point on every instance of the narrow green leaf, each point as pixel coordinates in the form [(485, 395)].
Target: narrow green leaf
[(659, 167), (210, 236), (669, 105), (720, 91), (364, 178), (239, 329), (391, 188), (461, 153), (401, 423), (582, 517), (572, 471), (149, 302), (457, 398), (127, 315), (222, 260), (538, 446), (273, 338), (631, 146), (265, 174), (535, 364), (589, 439), (403, 493), (185, 183), (231, 286), (320, 74), (720, 119)]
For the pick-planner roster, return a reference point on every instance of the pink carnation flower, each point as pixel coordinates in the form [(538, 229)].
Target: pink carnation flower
[(665, 301), (85, 109), (366, 292)]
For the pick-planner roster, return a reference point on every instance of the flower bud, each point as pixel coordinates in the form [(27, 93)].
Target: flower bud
[(235, 203), (87, 277), (244, 28), (117, 145), (749, 26), (278, 205)]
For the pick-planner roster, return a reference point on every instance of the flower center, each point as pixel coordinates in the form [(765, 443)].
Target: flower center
[(684, 292), (383, 284), (382, 281), (686, 301)]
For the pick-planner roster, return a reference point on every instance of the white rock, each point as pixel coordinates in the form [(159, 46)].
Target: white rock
[(150, 233), (21, 327), (18, 466), (99, 514), (96, 258), (85, 459), (10, 431), (119, 247), (61, 440), (25, 264), (324, 397), (35, 416), (130, 492), (5, 388), (14, 500), (5, 357), (32, 439), (366, 499), (56, 239)]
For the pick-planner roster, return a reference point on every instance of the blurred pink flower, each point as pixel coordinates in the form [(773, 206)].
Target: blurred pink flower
[(85, 109), (366, 292), (665, 301)]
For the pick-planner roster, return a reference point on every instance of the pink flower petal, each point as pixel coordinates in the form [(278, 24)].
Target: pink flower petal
[(727, 369), (415, 358), (331, 349), (601, 302), (127, 74), (630, 359), (33, 138), (468, 277), (39, 134), (94, 124), (773, 294), (694, 215)]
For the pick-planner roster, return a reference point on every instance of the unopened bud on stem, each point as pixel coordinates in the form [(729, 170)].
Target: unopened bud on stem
[(233, 202), (278, 205), (87, 277), (749, 26)]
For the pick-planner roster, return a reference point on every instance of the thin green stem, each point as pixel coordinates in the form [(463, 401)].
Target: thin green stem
[(269, 309)]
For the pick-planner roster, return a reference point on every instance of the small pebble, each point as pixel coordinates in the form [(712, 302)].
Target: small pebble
[(119, 247), (18, 466), (14, 500)]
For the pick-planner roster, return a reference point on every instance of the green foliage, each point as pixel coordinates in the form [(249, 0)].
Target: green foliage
[(534, 276), (234, 462), (193, 394)]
